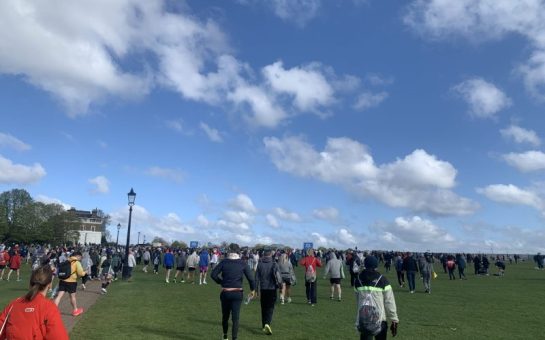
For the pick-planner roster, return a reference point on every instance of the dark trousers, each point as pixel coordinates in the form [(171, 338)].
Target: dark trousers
[(85, 278), (380, 336), (230, 305), (451, 275), (353, 278), (94, 272), (461, 272), (411, 279), (310, 288), (400, 277), (268, 299)]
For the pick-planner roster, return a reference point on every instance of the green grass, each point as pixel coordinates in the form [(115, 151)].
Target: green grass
[(479, 308)]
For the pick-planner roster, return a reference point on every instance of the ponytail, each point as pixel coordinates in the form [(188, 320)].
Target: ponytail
[(39, 280)]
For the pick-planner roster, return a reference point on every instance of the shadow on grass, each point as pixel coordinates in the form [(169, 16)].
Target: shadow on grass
[(253, 330), (154, 331)]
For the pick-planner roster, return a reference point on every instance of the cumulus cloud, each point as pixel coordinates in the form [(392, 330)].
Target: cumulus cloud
[(485, 100), (49, 200), (521, 135), (244, 203), (287, 215), (307, 85), (328, 213), (11, 173), (419, 181), (369, 100), (511, 194), (299, 12), (213, 134), (341, 238), (487, 20), (102, 184), (527, 161), (174, 175), (414, 233), (8, 141), (272, 221)]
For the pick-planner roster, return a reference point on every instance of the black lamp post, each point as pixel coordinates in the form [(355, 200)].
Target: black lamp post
[(131, 196), (117, 240)]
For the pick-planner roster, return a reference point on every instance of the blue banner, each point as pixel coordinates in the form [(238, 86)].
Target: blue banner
[(308, 245), (194, 244)]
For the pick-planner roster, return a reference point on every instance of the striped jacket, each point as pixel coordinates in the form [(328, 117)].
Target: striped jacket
[(382, 292)]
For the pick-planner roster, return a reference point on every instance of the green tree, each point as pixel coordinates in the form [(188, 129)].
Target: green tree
[(179, 244), (12, 203), (161, 240)]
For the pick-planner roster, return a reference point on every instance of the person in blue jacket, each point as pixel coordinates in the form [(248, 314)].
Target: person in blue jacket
[(204, 261), (168, 263)]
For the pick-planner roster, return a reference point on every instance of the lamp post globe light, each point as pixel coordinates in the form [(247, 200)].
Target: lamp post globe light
[(131, 197), (117, 239)]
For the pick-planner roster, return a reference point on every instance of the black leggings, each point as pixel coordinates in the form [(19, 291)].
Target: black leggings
[(268, 299), (230, 304), (380, 336)]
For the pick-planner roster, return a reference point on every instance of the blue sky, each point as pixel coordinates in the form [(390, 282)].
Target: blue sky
[(414, 125)]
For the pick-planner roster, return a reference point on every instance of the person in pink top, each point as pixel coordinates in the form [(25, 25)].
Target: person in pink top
[(310, 262)]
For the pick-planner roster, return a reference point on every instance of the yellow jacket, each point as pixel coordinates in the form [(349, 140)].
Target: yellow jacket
[(76, 270)]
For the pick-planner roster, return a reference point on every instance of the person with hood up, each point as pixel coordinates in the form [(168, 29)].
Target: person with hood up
[(268, 279), (334, 268), (192, 263), (426, 270), (370, 281)]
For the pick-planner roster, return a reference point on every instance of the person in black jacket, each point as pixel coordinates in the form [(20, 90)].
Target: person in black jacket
[(267, 278), (228, 273), (410, 266)]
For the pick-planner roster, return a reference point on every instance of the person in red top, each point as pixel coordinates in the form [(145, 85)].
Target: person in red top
[(4, 260), (33, 316), (310, 262), (15, 264)]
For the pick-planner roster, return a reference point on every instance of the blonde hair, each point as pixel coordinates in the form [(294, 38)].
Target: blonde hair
[(310, 252)]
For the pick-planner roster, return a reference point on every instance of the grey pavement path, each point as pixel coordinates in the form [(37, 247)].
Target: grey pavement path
[(84, 299)]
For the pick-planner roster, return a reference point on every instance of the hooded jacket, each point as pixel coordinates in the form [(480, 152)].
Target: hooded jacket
[(267, 275), (334, 268), (381, 290)]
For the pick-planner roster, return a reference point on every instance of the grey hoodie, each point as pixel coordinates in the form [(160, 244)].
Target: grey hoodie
[(334, 268), (267, 274)]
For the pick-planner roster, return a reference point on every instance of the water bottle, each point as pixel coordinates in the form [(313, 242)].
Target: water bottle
[(248, 299)]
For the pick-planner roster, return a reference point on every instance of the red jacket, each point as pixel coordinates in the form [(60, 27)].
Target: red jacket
[(310, 261), (36, 319), (15, 261), (4, 258)]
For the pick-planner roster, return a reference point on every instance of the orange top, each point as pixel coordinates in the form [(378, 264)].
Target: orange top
[(36, 319)]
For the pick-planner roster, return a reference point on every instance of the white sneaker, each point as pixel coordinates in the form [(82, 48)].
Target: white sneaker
[(167, 280), (289, 300), (103, 290), (204, 282)]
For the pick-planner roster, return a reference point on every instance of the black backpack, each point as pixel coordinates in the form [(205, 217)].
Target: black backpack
[(64, 270)]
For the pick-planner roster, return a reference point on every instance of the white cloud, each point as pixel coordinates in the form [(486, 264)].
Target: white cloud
[(174, 175), (264, 110), (48, 200), (102, 184), (511, 194), (527, 161), (244, 203), (11, 173), (8, 141), (213, 134), (484, 98), (298, 11), (346, 238), (521, 135), (272, 221), (487, 20), (419, 182), (369, 100), (328, 214), (287, 215), (203, 221), (308, 86), (415, 233)]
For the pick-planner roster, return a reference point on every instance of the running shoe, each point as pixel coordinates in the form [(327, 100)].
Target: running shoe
[(77, 312)]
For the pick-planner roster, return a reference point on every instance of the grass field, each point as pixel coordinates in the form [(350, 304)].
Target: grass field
[(478, 308)]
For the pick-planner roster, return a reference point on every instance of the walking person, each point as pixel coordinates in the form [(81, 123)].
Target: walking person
[(4, 260), (353, 263), (70, 284), (426, 270), (451, 266), (14, 264), (181, 261), (334, 268), (156, 261), (33, 316), (214, 258), (369, 281), (204, 262), (146, 257), (267, 280), (131, 263), (192, 263), (168, 263), (461, 262), (411, 268), (288, 277), (310, 262), (86, 264), (228, 273), (399, 271), (106, 273)]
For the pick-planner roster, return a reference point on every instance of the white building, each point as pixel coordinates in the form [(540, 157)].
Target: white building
[(90, 225)]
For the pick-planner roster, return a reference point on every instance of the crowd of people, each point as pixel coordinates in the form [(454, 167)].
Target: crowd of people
[(270, 273)]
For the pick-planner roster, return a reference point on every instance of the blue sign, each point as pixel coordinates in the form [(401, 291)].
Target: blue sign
[(194, 244), (308, 245)]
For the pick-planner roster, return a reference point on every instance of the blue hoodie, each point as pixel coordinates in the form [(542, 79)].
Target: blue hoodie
[(204, 259), (168, 260)]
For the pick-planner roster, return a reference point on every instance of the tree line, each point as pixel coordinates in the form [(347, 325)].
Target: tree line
[(24, 220)]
